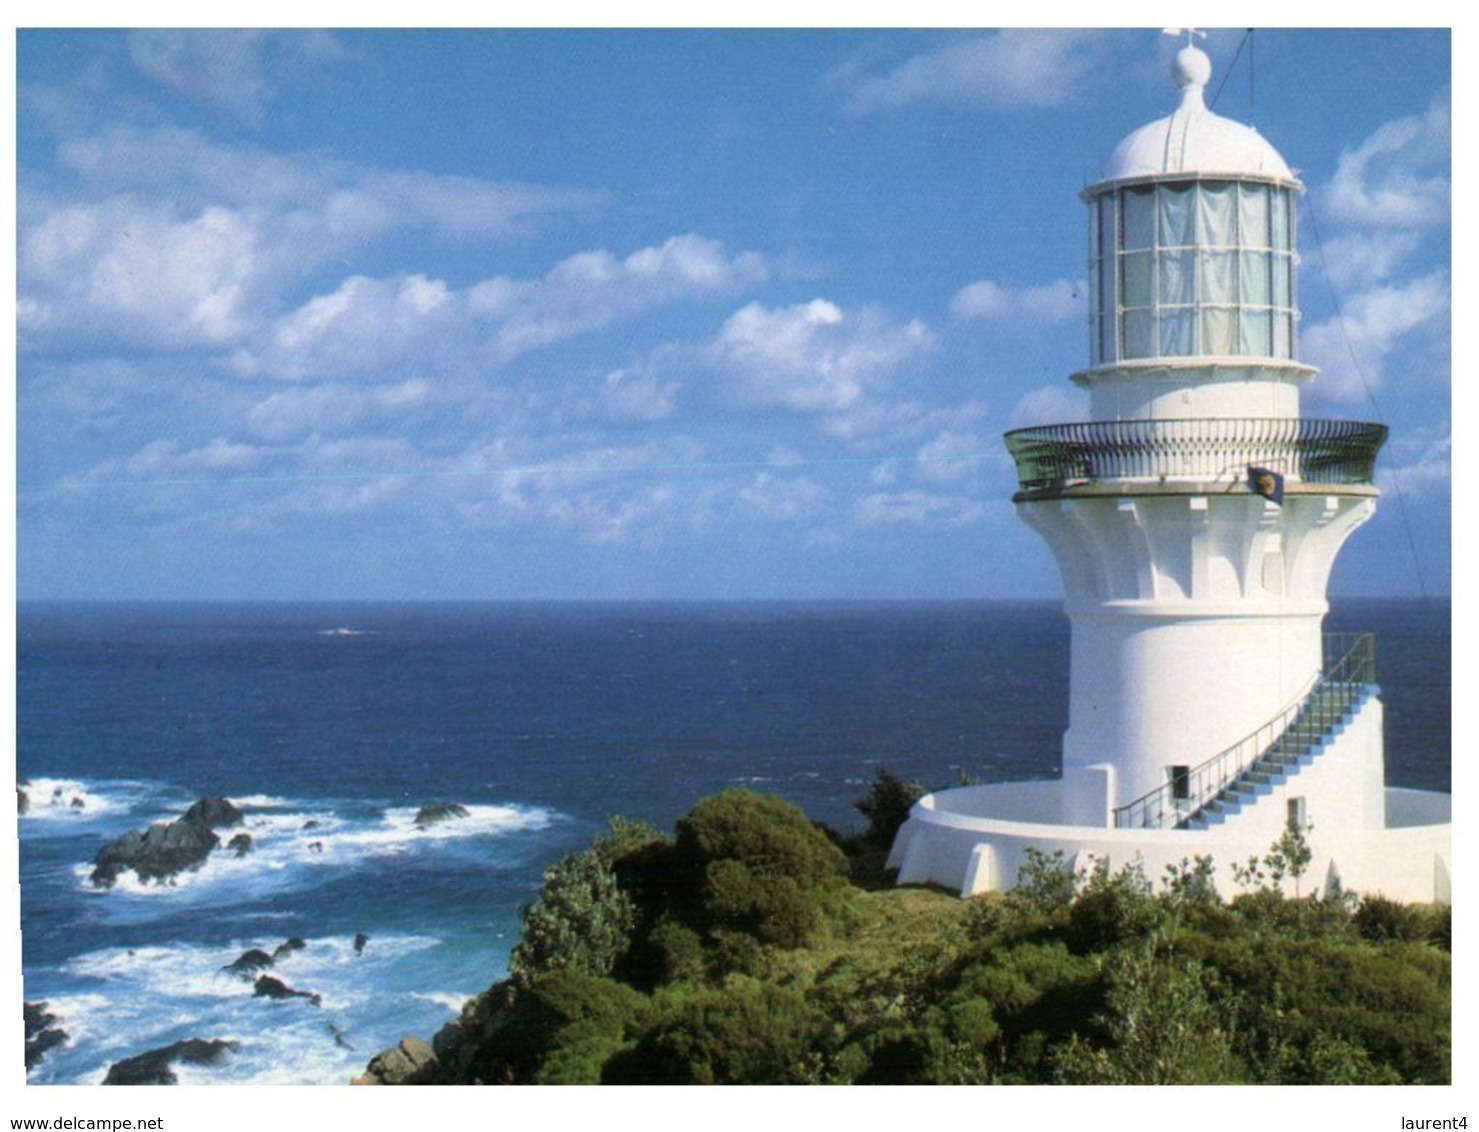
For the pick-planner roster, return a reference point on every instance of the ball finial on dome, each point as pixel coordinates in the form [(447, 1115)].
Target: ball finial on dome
[(1192, 67)]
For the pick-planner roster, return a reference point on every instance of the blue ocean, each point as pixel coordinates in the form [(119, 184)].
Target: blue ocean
[(330, 725)]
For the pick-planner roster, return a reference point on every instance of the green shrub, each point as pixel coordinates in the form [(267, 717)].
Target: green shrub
[(766, 834), (1111, 909), (1160, 1025), (581, 920), (1379, 920), (1045, 881), (886, 806), (749, 1033), (761, 868), (1288, 992)]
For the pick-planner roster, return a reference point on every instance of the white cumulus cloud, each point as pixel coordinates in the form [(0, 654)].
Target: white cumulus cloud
[(1398, 177), (229, 69), (1045, 305), (1050, 404), (1356, 350), (140, 276), (1004, 70), (812, 357)]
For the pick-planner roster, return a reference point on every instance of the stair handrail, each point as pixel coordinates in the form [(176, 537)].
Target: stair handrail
[(1177, 801)]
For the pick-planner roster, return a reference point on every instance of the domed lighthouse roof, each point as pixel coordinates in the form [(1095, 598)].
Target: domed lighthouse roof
[(1195, 142)]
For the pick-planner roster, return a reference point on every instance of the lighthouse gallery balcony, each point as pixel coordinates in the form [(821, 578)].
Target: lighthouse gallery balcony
[(1332, 452)]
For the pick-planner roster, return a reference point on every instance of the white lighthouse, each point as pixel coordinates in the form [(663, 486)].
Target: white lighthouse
[(1195, 517)]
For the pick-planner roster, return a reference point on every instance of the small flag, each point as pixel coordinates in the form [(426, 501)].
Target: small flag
[(1267, 483)]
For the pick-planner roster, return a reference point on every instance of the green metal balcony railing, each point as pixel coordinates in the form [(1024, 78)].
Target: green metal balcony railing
[(1273, 747), (1312, 451)]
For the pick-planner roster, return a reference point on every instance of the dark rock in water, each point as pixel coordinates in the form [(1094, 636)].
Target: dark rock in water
[(409, 1063), (439, 812), (214, 813), (166, 849), (241, 844), (22, 799), (288, 946), (249, 962), (267, 986), (315, 846), (41, 1033), (155, 1067), (359, 942), (311, 823), (78, 804), (162, 851)]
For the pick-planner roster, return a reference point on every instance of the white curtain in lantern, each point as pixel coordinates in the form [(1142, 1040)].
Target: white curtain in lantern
[(1139, 335), (1253, 216), (1177, 283), (1253, 334), (1216, 214), (1177, 216), (1219, 332), (1139, 219), (1178, 332), (1219, 278), (1280, 220), (1253, 281)]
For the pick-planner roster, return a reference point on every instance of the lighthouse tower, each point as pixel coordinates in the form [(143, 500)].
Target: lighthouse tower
[(1196, 515), (1195, 518)]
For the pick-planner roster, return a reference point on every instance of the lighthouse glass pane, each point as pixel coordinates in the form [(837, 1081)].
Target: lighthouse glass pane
[(1106, 226), (1139, 335), (1253, 334), (1283, 335), (1219, 277), (1106, 286), (1216, 214), (1178, 330), (1106, 338), (1253, 216), (1177, 216), (1219, 332), (1177, 278), (1138, 272), (1280, 218), (1139, 218), (1282, 268), (1254, 278)]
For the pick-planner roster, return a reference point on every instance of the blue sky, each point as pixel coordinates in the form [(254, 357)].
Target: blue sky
[(642, 314)]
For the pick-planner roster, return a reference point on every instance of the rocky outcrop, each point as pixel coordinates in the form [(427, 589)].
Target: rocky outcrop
[(156, 1066), (42, 1033), (241, 844), (269, 986), (214, 813), (288, 946), (409, 1063), (22, 799), (360, 940), (166, 849), (462, 1052), (437, 812), (250, 962)]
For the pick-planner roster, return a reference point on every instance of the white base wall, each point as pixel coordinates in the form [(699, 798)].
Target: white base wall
[(974, 839)]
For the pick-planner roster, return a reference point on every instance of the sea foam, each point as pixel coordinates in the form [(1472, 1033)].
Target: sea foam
[(295, 848)]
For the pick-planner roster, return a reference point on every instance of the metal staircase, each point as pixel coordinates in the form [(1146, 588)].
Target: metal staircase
[(1211, 792)]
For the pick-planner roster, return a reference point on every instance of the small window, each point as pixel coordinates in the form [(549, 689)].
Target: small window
[(1296, 813)]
